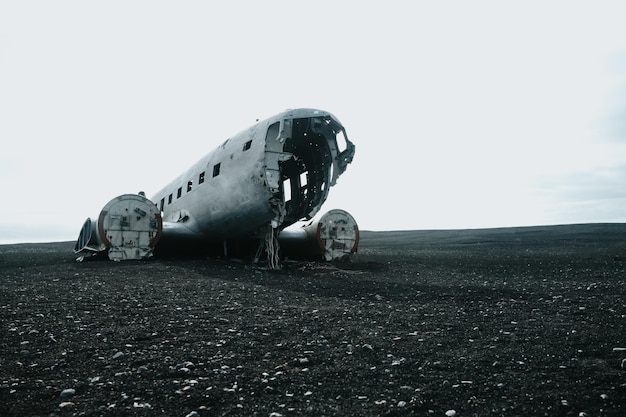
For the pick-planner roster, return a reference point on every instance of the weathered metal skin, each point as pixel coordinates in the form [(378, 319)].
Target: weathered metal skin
[(129, 227), (248, 193), (334, 236), (256, 183)]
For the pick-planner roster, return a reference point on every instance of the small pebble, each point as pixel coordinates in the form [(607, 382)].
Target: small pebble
[(118, 355), (451, 413), (68, 392)]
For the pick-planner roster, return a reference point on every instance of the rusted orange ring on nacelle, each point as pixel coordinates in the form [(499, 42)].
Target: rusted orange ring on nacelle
[(101, 231), (156, 238), (355, 247)]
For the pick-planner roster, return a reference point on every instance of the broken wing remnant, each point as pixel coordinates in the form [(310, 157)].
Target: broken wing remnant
[(129, 227), (254, 185)]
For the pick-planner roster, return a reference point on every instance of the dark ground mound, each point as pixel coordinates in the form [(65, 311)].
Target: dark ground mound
[(499, 322)]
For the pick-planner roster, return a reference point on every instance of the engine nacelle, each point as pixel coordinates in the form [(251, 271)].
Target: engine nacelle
[(129, 227), (333, 236)]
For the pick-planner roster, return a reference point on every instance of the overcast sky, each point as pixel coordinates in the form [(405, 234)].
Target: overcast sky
[(464, 114)]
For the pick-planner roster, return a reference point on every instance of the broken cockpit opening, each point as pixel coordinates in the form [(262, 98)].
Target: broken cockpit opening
[(303, 159), (311, 154)]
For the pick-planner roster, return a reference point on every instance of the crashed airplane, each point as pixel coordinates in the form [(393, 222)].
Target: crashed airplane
[(264, 185)]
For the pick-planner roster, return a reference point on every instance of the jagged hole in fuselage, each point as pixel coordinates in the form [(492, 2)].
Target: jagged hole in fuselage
[(305, 176)]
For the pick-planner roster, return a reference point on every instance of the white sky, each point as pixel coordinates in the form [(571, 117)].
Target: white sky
[(464, 114)]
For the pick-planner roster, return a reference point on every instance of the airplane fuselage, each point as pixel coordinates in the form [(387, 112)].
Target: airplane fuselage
[(273, 174), (251, 187)]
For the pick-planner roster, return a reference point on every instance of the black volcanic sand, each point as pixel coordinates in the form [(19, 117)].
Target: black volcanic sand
[(500, 322)]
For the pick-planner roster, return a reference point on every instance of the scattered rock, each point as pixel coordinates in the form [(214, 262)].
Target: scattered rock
[(66, 393), (404, 346)]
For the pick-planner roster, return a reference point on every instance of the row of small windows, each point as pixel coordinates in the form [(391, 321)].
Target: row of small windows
[(179, 192), (216, 172)]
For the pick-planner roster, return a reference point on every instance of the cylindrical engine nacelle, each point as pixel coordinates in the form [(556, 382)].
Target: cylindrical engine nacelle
[(333, 236), (129, 226)]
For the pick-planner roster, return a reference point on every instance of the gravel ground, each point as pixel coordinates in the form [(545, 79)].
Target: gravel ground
[(500, 322)]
